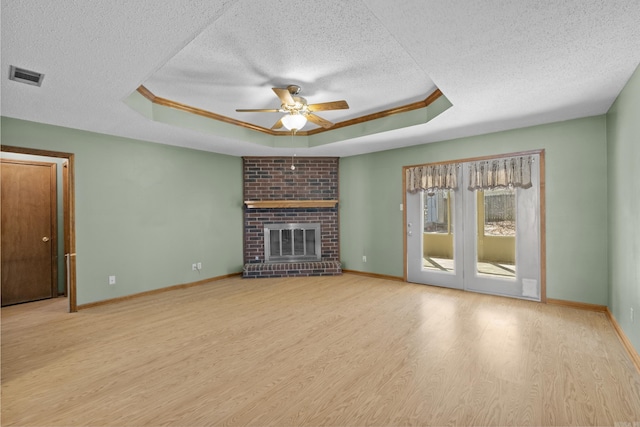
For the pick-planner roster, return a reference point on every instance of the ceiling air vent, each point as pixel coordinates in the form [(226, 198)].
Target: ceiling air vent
[(25, 76)]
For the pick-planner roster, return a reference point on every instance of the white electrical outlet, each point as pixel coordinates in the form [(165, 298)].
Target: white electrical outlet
[(364, 258), (112, 280), (194, 267), (199, 266)]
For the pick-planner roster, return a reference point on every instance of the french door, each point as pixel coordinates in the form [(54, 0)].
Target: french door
[(483, 240)]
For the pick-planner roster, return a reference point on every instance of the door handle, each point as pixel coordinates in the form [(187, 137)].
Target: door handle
[(45, 239)]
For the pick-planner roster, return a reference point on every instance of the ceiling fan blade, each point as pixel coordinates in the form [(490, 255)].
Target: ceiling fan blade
[(258, 110), (319, 121), (278, 125), (335, 105), (284, 96)]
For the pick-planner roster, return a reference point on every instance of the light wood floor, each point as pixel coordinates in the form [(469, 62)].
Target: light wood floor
[(335, 351)]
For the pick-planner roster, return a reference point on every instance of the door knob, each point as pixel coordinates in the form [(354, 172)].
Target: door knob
[(45, 239)]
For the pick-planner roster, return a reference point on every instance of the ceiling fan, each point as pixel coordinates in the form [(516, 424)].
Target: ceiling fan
[(297, 110)]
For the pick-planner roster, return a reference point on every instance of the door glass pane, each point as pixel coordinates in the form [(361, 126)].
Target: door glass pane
[(310, 242), (274, 241), (298, 239), (497, 232), (437, 233), (287, 242)]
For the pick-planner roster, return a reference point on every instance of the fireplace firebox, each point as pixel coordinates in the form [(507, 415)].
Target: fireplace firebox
[(292, 242)]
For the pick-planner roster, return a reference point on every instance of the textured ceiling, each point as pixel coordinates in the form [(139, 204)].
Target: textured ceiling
[(502, 64), (332, 49)]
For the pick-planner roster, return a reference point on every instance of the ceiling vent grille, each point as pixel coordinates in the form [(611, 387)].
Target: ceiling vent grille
[(25, 76)]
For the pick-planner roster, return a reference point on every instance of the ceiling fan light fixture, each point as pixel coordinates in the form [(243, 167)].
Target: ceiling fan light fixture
[(294, 121)]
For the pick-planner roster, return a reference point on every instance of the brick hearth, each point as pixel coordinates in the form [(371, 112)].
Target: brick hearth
[(271, 179), (283, 269)]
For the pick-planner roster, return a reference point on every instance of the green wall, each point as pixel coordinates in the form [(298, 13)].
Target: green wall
[(144, 212), (623, 156), (576, 211)]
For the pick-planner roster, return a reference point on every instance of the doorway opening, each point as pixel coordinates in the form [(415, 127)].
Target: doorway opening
[(68, 235)]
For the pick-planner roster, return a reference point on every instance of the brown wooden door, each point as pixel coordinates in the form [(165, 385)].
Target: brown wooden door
[(28, 231)]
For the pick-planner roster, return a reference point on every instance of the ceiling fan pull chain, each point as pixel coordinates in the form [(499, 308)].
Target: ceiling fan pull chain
[(293, 146)]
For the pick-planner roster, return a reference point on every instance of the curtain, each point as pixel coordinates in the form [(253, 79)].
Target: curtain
[(432, 177), (500, 173)]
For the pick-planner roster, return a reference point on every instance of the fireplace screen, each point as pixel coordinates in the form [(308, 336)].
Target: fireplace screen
[(292, 242)]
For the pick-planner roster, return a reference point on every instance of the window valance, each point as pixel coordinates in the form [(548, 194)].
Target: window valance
[(432, 177), (506, 172)]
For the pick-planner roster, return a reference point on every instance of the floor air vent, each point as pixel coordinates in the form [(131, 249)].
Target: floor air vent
[(25, 76)]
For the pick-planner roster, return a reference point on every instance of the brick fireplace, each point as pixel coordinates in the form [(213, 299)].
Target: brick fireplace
[(277, 196)]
